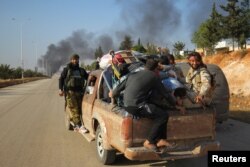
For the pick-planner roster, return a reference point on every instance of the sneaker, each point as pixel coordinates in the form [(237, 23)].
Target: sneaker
[(76, 128), (83, 130)]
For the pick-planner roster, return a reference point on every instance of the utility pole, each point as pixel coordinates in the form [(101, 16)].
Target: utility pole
[(35, 53), (21, 38), (21, 45)]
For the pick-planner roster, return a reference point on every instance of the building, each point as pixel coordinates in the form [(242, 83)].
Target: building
[(227, 45)]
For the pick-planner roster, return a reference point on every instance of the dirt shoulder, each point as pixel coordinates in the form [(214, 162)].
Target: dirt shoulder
[(236, 67), (10, 82)]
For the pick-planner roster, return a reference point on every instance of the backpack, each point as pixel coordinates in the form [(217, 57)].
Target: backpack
[(74, 79)]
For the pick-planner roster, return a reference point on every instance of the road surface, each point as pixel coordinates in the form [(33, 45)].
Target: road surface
[(32, 132)]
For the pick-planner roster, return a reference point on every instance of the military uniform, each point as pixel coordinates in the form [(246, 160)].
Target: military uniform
[(200, 82), (72, 82), (73, 106)]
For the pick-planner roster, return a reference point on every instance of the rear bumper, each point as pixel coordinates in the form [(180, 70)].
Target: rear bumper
[(142, 154)]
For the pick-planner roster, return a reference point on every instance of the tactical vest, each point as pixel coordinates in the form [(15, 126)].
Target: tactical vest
[(196, 77), (74, 79)]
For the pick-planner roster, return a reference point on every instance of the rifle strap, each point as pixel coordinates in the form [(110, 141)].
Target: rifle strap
[(194, 75)]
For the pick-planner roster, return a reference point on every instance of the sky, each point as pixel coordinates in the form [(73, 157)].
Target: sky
[(51, 30)]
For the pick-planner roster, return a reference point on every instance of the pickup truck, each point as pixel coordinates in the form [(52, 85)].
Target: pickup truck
[(116, 131)]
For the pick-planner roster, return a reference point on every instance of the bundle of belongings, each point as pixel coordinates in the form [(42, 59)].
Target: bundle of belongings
[(118, 65)]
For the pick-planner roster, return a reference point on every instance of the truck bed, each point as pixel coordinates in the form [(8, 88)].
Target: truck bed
[(193, 132)]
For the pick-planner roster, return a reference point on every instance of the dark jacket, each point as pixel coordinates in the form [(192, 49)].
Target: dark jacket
[(62, 79), (139, 86)]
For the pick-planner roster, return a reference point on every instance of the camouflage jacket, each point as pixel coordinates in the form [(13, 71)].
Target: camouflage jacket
[(200, 80)]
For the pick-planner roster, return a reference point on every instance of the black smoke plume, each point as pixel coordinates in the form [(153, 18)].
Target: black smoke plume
[(149, 20), (79, 42), (161, 22)]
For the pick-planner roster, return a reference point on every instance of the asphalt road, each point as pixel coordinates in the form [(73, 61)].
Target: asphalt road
[(32, 132)]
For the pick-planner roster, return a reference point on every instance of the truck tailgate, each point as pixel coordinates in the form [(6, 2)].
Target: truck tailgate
[(193, 125)]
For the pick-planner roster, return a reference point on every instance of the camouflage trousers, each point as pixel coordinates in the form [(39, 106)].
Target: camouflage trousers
[(73, 106)]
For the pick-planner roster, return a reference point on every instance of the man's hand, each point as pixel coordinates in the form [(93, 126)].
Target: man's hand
[(61, 93), (181, 109), (110, 94), (199, 99), (179, 105), (179, 101)]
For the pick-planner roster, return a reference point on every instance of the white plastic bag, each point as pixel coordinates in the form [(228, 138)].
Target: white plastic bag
[(105, 61)]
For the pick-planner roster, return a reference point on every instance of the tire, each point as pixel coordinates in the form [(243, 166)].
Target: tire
[(105, 156), (221, 92), (68, 126)]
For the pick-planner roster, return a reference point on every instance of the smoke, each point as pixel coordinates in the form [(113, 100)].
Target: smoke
[(162, 22), (198, 11), (149, 20), (80, 42)]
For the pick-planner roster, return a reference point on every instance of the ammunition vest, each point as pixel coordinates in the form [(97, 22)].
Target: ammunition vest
[(196, 77), (74, 79)]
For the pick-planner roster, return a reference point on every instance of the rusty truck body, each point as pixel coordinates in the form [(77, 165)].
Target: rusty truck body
[(115, 130)]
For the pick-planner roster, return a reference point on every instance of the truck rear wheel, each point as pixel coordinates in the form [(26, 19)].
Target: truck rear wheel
[(105, 156)]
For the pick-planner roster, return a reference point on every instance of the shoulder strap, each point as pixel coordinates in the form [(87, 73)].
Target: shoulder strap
[(68, 72), (197, 72)]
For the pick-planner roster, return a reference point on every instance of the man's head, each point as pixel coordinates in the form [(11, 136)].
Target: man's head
[(195, 60), (111, 52), (74, 59), (171, 58), (163, 60), (151, 64)]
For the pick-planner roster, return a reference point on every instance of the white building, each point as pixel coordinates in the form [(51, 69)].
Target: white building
[(228, 44)]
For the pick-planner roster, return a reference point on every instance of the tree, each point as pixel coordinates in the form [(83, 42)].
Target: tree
[(126, 44), (232, 22), (214, 28), (151, 49), (89, 67), (179, 46), (139, 42), (29, 73), (17, 73), (209, 32), (245, 17), (201, 35), (98, 52), (139, 48), (13, 73), (5, 71)]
